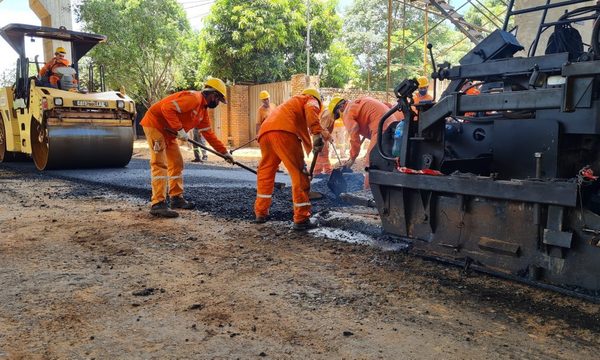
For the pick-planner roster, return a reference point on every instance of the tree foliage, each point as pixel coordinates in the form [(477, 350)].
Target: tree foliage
[(147, 42), (488, 14), (337, 66), (365, 33), (7, 77), (265, 40)]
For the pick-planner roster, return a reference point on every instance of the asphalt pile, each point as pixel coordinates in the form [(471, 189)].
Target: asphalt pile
[(239, 202), (232, 197)]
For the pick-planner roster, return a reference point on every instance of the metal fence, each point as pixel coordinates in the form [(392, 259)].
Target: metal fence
[(279, 91)]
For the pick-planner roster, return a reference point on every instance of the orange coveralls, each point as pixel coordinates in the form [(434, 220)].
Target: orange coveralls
[(473, 92), (418, 98), (361, 118), (262, 114), (323, 165), (184, 109), (49, 67), (281, 138)]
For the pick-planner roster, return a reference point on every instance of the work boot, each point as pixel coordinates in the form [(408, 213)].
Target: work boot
[(162, 210), (204, 157), (178, 202), (197, 160), (305, 225), (260, 220)]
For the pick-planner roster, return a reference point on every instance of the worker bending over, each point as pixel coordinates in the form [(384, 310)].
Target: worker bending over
[(178, 112), (361, 118), (281, 138)]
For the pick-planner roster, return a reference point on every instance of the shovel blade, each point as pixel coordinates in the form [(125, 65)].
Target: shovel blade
[(336, 183)]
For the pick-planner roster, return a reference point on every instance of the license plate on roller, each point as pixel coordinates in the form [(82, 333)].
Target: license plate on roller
[(90, 103)]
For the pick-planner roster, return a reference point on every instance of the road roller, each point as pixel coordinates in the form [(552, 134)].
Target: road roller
[(62, 125)]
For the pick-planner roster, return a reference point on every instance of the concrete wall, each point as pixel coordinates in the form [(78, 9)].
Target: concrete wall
[(528, 24), (53, 13)]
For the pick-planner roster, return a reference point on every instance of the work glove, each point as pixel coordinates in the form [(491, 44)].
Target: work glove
[(348, 164), (318, 143), (227, 157), (182, 135)]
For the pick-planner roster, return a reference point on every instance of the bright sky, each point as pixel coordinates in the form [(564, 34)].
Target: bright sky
[(18, 11)]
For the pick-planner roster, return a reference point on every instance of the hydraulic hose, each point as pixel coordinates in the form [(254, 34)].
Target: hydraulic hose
[(380, 129), (595, 44)]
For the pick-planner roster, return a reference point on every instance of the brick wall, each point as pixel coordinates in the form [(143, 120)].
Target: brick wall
[(238, 115), (352, 94), (299, 83)]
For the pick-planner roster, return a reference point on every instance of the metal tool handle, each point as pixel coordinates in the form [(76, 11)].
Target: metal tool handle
[(278, 185), (312, 165), (241, 146), (173, 132), (336, 153)]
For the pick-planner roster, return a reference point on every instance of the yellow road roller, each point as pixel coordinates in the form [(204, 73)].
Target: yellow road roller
[(62, 125)]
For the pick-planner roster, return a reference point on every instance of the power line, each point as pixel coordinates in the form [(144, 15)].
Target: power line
[(199, 4)]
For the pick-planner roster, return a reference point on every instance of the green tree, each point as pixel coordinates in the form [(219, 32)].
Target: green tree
[(488, 14), (146, 40), (365, 33), (337, 66), (7, 77), (265, 40)]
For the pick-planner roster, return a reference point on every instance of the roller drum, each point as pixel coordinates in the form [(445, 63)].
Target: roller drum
[(81, 146)]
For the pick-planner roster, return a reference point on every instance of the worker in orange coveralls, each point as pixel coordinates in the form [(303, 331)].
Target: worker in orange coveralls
[(361, 118), (470, 89), (178, 112), (340, 137), (422, 92), (281, 138), (265, 109), (323, 165), (48, 70)]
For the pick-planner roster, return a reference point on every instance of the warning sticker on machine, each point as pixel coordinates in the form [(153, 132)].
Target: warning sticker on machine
[(90, 103)]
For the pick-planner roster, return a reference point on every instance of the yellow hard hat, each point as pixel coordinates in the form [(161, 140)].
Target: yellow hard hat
[(313, 92), (333, 103), (218, 85), (264, 95), (60, 49), (423, 81)]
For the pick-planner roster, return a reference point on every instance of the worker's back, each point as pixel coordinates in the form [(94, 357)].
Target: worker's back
[(295, 116), (367, 112)]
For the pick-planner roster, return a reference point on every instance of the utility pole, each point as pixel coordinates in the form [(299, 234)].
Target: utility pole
[(307, 80), (425, 40), (389, 42)]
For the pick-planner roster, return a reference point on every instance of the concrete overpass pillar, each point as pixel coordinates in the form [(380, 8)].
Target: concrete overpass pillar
[(53, 13)]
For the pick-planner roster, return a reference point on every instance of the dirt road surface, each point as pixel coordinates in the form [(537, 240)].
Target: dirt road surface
[(87, 273)]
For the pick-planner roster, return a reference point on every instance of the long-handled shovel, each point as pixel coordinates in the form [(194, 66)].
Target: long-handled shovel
[(278, 185), (336, 182), (241, 146), (313, 195)]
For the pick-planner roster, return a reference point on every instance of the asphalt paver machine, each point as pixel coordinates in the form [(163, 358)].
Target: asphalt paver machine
[(504, 181), (64, 127)]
